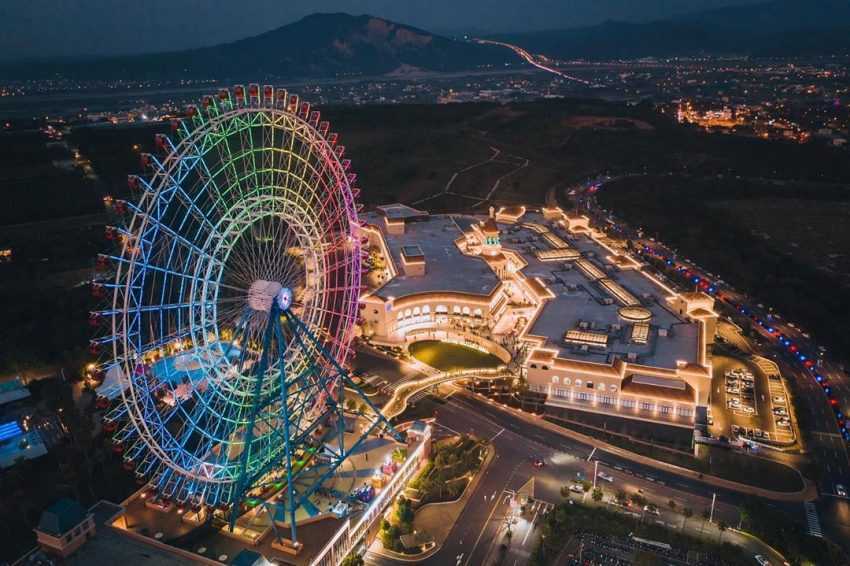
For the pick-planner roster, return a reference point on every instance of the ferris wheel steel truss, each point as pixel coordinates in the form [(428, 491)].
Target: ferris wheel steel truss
[(225, 386)]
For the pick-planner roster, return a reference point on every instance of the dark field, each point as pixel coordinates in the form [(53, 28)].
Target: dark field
[(785, 244), (409, 153)]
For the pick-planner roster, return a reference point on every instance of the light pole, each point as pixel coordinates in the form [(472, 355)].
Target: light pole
[(711, 515), (595, 470)]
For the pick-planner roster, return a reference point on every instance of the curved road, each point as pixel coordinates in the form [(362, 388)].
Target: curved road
[(516, 442)]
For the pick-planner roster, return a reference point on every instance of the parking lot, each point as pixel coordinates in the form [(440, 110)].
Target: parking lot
[(749, 402)]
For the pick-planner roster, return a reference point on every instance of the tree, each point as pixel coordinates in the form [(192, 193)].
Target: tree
[(638, 499), (688, 513), (672, 505), (353, 559), (597, 494), (586, 485), (621, 497), (722, 526), (705, 515), (743, 516)]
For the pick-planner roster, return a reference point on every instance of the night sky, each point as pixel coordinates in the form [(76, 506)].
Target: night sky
[(37, 28)]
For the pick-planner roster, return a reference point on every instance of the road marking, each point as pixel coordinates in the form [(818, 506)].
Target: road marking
[(592, 452), (484, 528), (496, 435), (529, 529)]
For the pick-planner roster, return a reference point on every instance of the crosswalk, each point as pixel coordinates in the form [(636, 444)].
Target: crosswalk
[(812, 519)]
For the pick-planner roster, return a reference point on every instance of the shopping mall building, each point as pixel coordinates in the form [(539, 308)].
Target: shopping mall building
[(602, 334)]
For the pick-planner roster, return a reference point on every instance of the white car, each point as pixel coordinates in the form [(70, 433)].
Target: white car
[(762, 560), (779, 400), (652, 510), (605, 477), (576, 488), (840, 491)]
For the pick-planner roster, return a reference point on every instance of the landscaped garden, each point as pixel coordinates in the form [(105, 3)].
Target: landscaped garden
[(452, 465), (446, 356)]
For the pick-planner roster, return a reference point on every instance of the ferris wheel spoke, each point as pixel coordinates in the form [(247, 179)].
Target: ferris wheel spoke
[(250, 194)]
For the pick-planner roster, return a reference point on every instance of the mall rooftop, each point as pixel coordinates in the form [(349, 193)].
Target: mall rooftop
[(598, 298), (431, 237)]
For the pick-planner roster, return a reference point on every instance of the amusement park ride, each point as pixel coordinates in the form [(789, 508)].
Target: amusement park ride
[(234, 292)]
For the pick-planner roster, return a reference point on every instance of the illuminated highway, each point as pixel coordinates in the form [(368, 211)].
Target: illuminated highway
[(538, 62)]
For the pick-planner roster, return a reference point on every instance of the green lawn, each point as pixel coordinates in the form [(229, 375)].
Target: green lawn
[(449, 357)]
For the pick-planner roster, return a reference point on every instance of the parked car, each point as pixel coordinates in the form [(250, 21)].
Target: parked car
[(605, 477), (652, 510)]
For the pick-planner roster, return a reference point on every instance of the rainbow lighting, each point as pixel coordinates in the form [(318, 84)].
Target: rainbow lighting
[(231, 298)]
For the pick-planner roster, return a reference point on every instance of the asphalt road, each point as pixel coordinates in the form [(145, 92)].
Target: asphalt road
[(480, 526)]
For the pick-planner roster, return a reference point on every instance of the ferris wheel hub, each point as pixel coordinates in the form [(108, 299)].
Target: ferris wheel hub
[(262, 294)]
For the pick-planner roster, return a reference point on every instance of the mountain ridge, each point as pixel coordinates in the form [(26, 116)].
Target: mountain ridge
[(773, 28), (318, 45)]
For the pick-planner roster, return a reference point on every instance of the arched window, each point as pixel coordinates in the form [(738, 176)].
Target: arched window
[(554, 379), (400, 315), (601, 387), (612, 387), (416, 311), (477, 313), (578, 383), (406, 313), (466, 311), (426, 309), (442, 309), (456, 309), (566, 381)]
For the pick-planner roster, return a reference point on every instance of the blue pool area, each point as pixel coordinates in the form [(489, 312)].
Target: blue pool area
[(192, 366)]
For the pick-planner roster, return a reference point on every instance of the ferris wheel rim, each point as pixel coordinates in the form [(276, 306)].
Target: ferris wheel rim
[(139, 223)]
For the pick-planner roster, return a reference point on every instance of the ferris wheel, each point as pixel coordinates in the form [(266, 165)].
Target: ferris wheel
[(233, 303)]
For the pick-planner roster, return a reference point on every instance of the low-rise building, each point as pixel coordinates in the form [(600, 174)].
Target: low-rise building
[(64, 527)]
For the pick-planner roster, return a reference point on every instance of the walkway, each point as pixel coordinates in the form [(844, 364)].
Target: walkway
[(406, 390)]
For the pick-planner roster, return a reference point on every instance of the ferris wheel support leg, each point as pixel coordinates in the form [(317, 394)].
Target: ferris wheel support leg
[(284, 395), (255, 409), (297, 323)]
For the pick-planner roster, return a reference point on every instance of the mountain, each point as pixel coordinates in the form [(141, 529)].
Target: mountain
[(319, 45), (778, 27)]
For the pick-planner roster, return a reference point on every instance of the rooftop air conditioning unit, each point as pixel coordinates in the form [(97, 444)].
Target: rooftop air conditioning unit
[(632, 356), (585, 348), (662, 332), (607, 301)]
